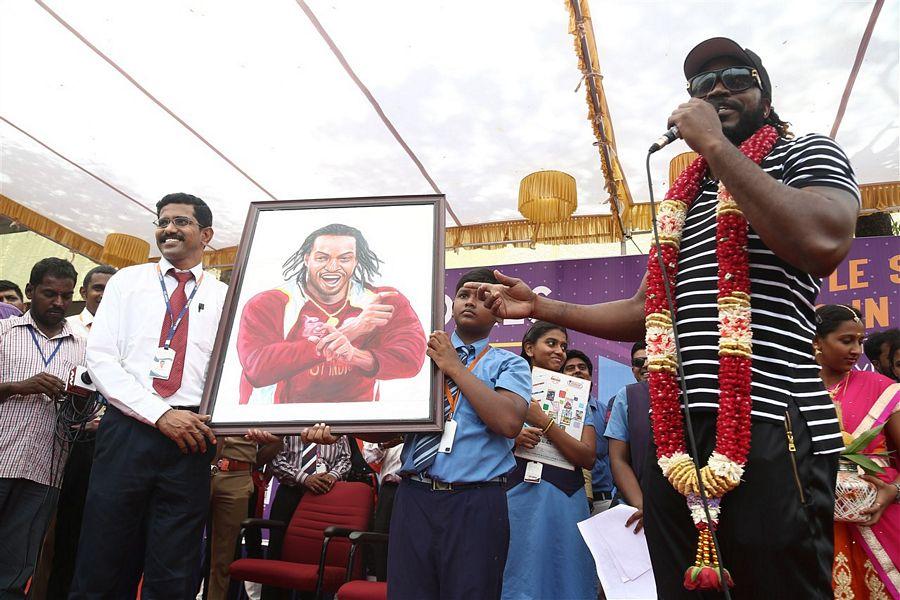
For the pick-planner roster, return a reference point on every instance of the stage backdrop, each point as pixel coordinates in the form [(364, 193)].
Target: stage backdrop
[(869, 279)]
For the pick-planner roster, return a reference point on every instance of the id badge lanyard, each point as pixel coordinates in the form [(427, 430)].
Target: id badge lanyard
[(176, 321), (454, 398)]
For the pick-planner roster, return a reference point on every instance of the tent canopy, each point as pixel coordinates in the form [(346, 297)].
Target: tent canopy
[(107, 106)]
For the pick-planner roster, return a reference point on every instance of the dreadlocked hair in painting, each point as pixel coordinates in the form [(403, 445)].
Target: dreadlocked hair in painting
[(368, 263)]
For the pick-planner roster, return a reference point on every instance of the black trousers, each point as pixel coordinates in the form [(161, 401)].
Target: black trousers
[(144, 513), (448, 544), (382, 524), (69, 515), (25, 510), (287, 497), (775, 529)]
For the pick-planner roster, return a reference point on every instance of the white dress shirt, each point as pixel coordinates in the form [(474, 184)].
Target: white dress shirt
[(81, 323), (389, 458), (125, 336)]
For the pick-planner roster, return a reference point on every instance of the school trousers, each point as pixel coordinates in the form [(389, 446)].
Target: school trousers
[(447, 545)]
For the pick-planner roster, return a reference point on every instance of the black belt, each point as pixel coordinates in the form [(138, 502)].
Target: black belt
[(443, 486), (602, 495)]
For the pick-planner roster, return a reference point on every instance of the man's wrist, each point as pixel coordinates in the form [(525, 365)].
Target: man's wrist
[(453, 370), (714, 146)]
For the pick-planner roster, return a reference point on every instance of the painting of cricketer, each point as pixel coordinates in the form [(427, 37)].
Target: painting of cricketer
[(327, 334), (329, 301)]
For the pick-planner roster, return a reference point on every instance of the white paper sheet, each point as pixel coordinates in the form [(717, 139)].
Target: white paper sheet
[(621, 556)]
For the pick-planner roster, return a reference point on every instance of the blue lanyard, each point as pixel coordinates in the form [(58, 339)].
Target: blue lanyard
[(176, 321), (44, 358)]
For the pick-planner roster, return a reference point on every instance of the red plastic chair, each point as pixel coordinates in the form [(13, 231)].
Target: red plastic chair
[(316, 550), (361, 589)]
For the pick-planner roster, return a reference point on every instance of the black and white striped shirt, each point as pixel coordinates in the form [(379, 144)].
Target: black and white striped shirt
[(782, 301), (287, 467)]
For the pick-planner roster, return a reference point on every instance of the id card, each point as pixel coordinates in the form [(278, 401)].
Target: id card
[(321, 468), (446, 444), (163, 359), (533, 472)]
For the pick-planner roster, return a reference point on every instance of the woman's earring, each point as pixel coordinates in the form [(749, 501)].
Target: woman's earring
[(818, 350)]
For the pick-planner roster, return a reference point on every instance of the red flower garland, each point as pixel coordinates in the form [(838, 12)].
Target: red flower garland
[(733, 421)]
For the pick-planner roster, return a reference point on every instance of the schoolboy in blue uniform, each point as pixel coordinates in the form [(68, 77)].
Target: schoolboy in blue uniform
[(450, 527), (450, 530)]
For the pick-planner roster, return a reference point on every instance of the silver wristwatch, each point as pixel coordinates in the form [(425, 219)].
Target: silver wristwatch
[(897, 497)]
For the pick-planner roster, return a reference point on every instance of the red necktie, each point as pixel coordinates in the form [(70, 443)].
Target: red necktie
[(167, 387)]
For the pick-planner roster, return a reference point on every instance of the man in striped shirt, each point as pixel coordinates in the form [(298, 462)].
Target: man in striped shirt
[(801, 203), (301, 468), (37, 352)]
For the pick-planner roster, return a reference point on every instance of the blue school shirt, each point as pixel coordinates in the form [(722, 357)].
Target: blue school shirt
[(478, 453), (617, 428), (601, 474)]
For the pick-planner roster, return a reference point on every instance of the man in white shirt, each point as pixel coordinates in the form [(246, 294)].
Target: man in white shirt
[(148, 353), (92, 291)]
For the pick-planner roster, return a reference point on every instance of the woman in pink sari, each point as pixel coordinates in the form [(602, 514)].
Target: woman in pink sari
[(866, 554)]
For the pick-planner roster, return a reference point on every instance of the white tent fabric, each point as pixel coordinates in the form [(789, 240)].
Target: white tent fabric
[(243, 101)]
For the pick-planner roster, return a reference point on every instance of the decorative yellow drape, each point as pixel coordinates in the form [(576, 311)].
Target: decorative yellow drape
[(121, 250), (50, 229), (547, 196), (601, 123), (880, 196), (679, 163)]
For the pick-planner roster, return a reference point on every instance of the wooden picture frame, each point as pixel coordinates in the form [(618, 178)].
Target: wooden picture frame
[(290, 352)]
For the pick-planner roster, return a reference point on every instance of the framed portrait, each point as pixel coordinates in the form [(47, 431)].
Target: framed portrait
[(327, 317)]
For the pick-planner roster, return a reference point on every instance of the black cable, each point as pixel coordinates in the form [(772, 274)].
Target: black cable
[(687, 411), (74, 414)]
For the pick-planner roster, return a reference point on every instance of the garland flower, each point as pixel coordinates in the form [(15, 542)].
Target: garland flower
[(723, 470)]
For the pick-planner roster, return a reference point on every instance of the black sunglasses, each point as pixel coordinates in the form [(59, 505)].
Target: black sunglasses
[(735, 79), (639, 362)]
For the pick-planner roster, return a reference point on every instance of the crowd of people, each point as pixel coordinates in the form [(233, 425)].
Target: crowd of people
[(126, 507)]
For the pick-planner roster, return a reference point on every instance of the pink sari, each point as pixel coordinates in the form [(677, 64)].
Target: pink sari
[(868, 401)]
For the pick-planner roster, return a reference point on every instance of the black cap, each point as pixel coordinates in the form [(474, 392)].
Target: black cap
[(719, 47)]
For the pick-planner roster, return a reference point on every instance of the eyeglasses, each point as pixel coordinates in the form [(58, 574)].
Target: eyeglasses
[(180, 222), (735, 79), (639, 362)]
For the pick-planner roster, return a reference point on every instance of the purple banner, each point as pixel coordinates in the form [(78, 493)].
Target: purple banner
[(869, 278)]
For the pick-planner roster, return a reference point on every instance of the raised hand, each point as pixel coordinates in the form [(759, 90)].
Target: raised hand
[(441, 351), (509, 299), (698, 123)]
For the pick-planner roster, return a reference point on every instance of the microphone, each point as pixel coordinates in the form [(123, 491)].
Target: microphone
[(665, 139), (80, 383)]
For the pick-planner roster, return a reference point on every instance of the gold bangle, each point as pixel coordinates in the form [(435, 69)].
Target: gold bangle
[(547, 428)]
